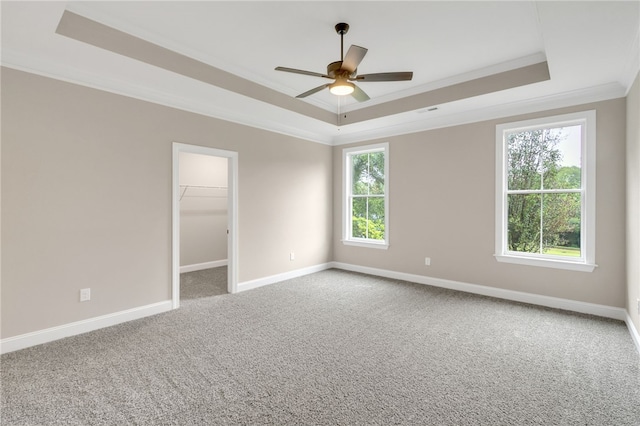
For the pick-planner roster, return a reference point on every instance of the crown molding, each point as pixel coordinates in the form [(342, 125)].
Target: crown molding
[(482, 113), (633, 65), (479, 73), (244, 116), (89, 11), (486, 85), (330, 135)]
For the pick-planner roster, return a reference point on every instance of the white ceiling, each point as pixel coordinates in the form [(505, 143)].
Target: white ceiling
[(592, 51)]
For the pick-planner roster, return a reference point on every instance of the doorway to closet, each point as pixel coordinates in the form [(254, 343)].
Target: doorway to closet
[(204, 222)]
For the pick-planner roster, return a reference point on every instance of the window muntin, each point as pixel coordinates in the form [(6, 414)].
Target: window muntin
[(365, 218), (545, 191)]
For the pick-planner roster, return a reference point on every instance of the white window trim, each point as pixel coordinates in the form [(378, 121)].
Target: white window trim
[(346, 185), (588, 211)]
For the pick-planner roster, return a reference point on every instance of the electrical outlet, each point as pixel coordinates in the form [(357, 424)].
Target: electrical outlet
[(292, 256), (85, 294), (427, 261)]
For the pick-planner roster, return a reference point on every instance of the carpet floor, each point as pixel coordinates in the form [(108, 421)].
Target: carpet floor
[(203, 283), (333, 348)]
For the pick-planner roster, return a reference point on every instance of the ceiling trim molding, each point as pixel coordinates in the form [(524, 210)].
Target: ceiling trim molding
[(119, 24), (633, 66), (47, 69), (97, 34), (83, 29), (543, 103), (480, 86), (475, 74), (86, 10), (71, 75)]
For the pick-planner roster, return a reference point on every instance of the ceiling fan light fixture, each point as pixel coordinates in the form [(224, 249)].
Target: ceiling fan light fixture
[(342, 87)]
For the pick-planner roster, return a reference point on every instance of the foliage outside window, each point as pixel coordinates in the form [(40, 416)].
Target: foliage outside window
[(365, 213), (545, 195)]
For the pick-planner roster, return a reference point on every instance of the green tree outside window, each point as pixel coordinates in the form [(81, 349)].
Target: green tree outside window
[(367, 195), (544, 192)]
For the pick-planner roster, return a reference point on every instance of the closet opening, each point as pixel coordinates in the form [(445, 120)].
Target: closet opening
[(204, 222)]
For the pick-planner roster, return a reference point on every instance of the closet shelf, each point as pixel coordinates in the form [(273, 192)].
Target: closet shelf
[(202, 193)]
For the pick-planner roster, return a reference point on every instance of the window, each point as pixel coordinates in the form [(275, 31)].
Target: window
[(545, 192), (365, 211)]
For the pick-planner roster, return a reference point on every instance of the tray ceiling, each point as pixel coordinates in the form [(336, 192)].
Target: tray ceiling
[(471, 60)]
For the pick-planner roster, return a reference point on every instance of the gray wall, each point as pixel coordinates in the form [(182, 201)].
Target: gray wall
[(633, 201), (86, 200), (442, 206)]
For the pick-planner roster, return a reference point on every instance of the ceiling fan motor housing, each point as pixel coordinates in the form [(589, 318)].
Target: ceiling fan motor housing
[(334, 70)]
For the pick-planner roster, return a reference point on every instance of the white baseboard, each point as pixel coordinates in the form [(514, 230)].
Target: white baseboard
[(516, 296), (249, 285), (22, 341), (43, 336), (205, 265), (634, 332), (535, 299)]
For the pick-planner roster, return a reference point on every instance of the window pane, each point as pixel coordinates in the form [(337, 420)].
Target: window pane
[(561, 224), (368, 218), (376, 172), (368, 173), (568, 174), (359, 218), (524, 222), (545, 192), (544, 158), (526, 157), (376, 218), (360, 174), (365, 192)]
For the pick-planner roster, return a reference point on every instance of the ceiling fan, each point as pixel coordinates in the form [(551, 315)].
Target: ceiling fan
[(345, 71)]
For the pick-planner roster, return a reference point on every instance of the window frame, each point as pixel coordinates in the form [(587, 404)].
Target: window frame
[(586, 263), (347, 238)]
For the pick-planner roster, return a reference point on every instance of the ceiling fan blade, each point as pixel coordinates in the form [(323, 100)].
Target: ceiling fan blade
[(296, 71), (353, 58), (385, 76), (312, 91), (359, 95)]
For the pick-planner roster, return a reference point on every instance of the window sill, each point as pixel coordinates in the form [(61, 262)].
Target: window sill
[(547, 263), (367, 244)]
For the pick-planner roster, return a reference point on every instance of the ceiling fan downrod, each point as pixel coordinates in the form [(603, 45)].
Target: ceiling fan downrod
[(342, 28)]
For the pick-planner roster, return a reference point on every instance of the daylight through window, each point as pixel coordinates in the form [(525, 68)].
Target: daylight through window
[(545, 189), (365, 217)]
